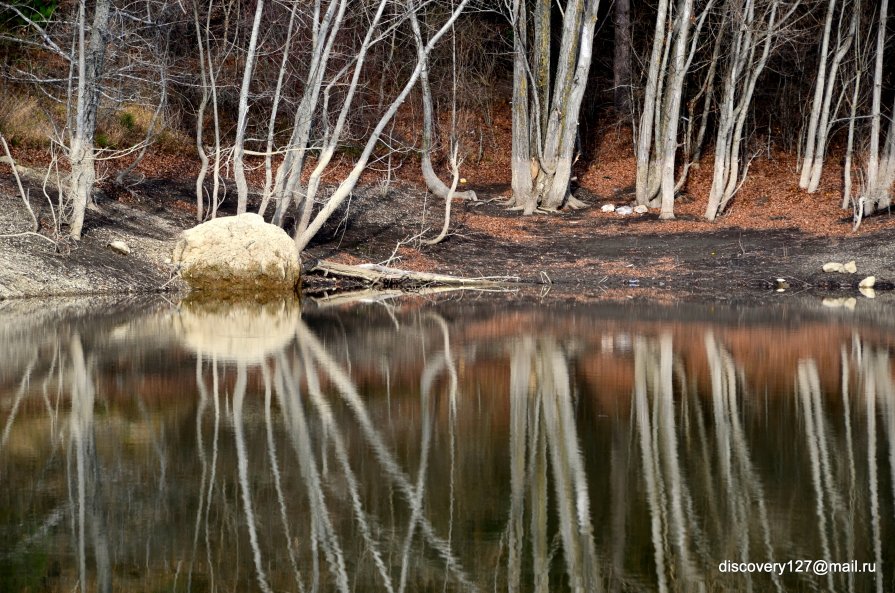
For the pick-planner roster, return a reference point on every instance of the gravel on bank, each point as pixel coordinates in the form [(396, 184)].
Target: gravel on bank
[(33, 266)]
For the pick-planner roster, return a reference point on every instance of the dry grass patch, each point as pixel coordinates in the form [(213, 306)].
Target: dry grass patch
[(23, 121)]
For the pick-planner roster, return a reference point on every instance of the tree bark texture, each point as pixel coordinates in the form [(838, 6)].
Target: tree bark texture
[(621, 63), (545, 117), (90, 68), (242, 186)]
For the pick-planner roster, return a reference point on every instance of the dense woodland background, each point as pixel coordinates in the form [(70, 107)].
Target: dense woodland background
[(283, 107)]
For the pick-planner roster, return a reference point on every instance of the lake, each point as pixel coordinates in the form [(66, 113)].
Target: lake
[(467, 444)]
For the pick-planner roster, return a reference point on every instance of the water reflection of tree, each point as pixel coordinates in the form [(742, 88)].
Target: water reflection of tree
[(705, 471), (86, 492), (293, 375), (542, 426), (299, 467)]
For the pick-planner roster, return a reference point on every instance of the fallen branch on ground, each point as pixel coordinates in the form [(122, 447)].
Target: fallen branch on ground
[(377, 275), (15, 173), (29, 234)]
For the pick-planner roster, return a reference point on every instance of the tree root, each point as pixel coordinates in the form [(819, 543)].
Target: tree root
[(575, 204)]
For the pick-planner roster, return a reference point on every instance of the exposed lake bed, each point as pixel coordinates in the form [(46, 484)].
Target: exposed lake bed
[(578, 255)]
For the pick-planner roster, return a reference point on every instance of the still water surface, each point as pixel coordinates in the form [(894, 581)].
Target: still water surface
[(449, 448)]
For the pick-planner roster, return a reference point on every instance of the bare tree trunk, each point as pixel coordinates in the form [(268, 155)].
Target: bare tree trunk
[(744, 70), (289, 172), (673, 51), (875, 110), (672, 108), (304, 234), (548, 127), (200, 117), (850, 144), (815, 155), (693, 148), (435, 185), (621, 64), (523, 164), (819, 86), (333, 136), (242, 187), (880, 168), (212, 81), (647, 178), (883, 194), (90, 68), (568, 92), (274, 109)]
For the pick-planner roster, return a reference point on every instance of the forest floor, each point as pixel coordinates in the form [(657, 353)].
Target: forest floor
[(772, 231), (590, 254)]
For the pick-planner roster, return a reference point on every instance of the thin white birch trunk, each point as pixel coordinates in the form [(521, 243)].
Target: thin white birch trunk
[(875, 109), (274, 110), (212, 80), (672, 109), (89, 69), (288, 176), (200, 117), (305, 233), (819, 87), (646, 175), (843, 46), (242, 186)]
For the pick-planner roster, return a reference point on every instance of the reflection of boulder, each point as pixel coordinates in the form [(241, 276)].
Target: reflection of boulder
[(237, 253), (242, 331)]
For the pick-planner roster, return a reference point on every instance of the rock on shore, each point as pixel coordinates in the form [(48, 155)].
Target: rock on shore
[(237, 254)]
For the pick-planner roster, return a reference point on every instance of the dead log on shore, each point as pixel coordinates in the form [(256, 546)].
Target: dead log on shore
[(375, 275)]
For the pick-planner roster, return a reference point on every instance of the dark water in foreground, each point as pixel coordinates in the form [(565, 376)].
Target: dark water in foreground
[(457, 448)]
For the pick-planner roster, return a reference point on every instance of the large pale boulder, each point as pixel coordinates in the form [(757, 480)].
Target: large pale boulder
[(237, 253)]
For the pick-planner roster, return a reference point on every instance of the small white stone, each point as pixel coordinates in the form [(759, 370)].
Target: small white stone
[(641, 209), (867, 282), (624, 210), (608, 208), (850, 267), (120, 247), (833, 267)]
